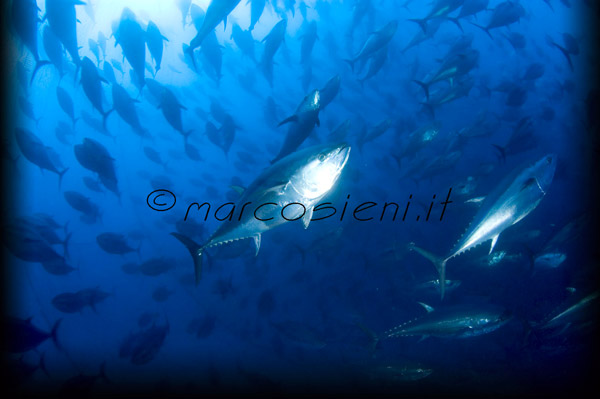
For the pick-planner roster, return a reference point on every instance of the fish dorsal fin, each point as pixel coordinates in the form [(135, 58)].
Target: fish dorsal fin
[(494, 241), (257, 243), (307, 217), (238, 189), (293, 118), (428, 308)]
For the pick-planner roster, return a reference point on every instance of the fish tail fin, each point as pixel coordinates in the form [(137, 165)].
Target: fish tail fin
[(438, 262), (351, 63), (102, 373), (422, 23), (60, 177), (138, 249), (54, 334), (566, 54), (301, 251), (530, 256), (42, 364), (429, 108), (187, 134), (105, 117), (486, 30), (65, 244), (77, 68), (425, 87), (38, 65), (373, 338), (196, 252), (501, 153), (190, 51), (456, 22)]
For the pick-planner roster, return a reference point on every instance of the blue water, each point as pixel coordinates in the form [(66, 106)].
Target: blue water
[(309, 312)]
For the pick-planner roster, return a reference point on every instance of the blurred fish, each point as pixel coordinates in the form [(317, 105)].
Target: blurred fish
[(66, 103), (202, 327), (24, 17), (95, 49), (27, 109), (132, 39), (454, 322), (184, 8), (54, 49), (156, 266), (504, 14), (302, 124), (161, 294), (171, 109), (217, 11), (115, 243), (90, 211), (440, 9), (82, 384), (73, 302), (22, 336), (308, 41), (516, 40), (375, 132), (38, 154), (256, 9), (91, 81), (154, 40), (244, 40), (141, 347), (272, 42), (452, 67), (95, 157), (375, 42), (62, 19), (125, 107), (331, 89), (376, 63)]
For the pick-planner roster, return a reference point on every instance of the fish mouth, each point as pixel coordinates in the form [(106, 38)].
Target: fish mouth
[(343, 153)]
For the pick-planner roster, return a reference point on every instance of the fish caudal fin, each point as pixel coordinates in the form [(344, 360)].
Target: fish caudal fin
[(373, 338), (486, 30), (102, 374), (456, 22), (351, 63), (38, 65), (438, 262), (104, 117), (60, 176), (54, 336), (501, 152), (422, 23), (425, 87), (196, 252)]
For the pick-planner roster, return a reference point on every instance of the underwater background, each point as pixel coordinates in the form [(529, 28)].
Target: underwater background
[(451, 100)]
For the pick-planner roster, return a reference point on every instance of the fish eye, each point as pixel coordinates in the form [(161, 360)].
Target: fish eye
[(321, 157), (549, 160)]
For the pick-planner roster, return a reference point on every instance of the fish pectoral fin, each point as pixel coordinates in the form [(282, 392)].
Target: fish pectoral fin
[(307, 217), (423, 338), (257, 243), (293, 118), (494, 241), (428, 308)]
